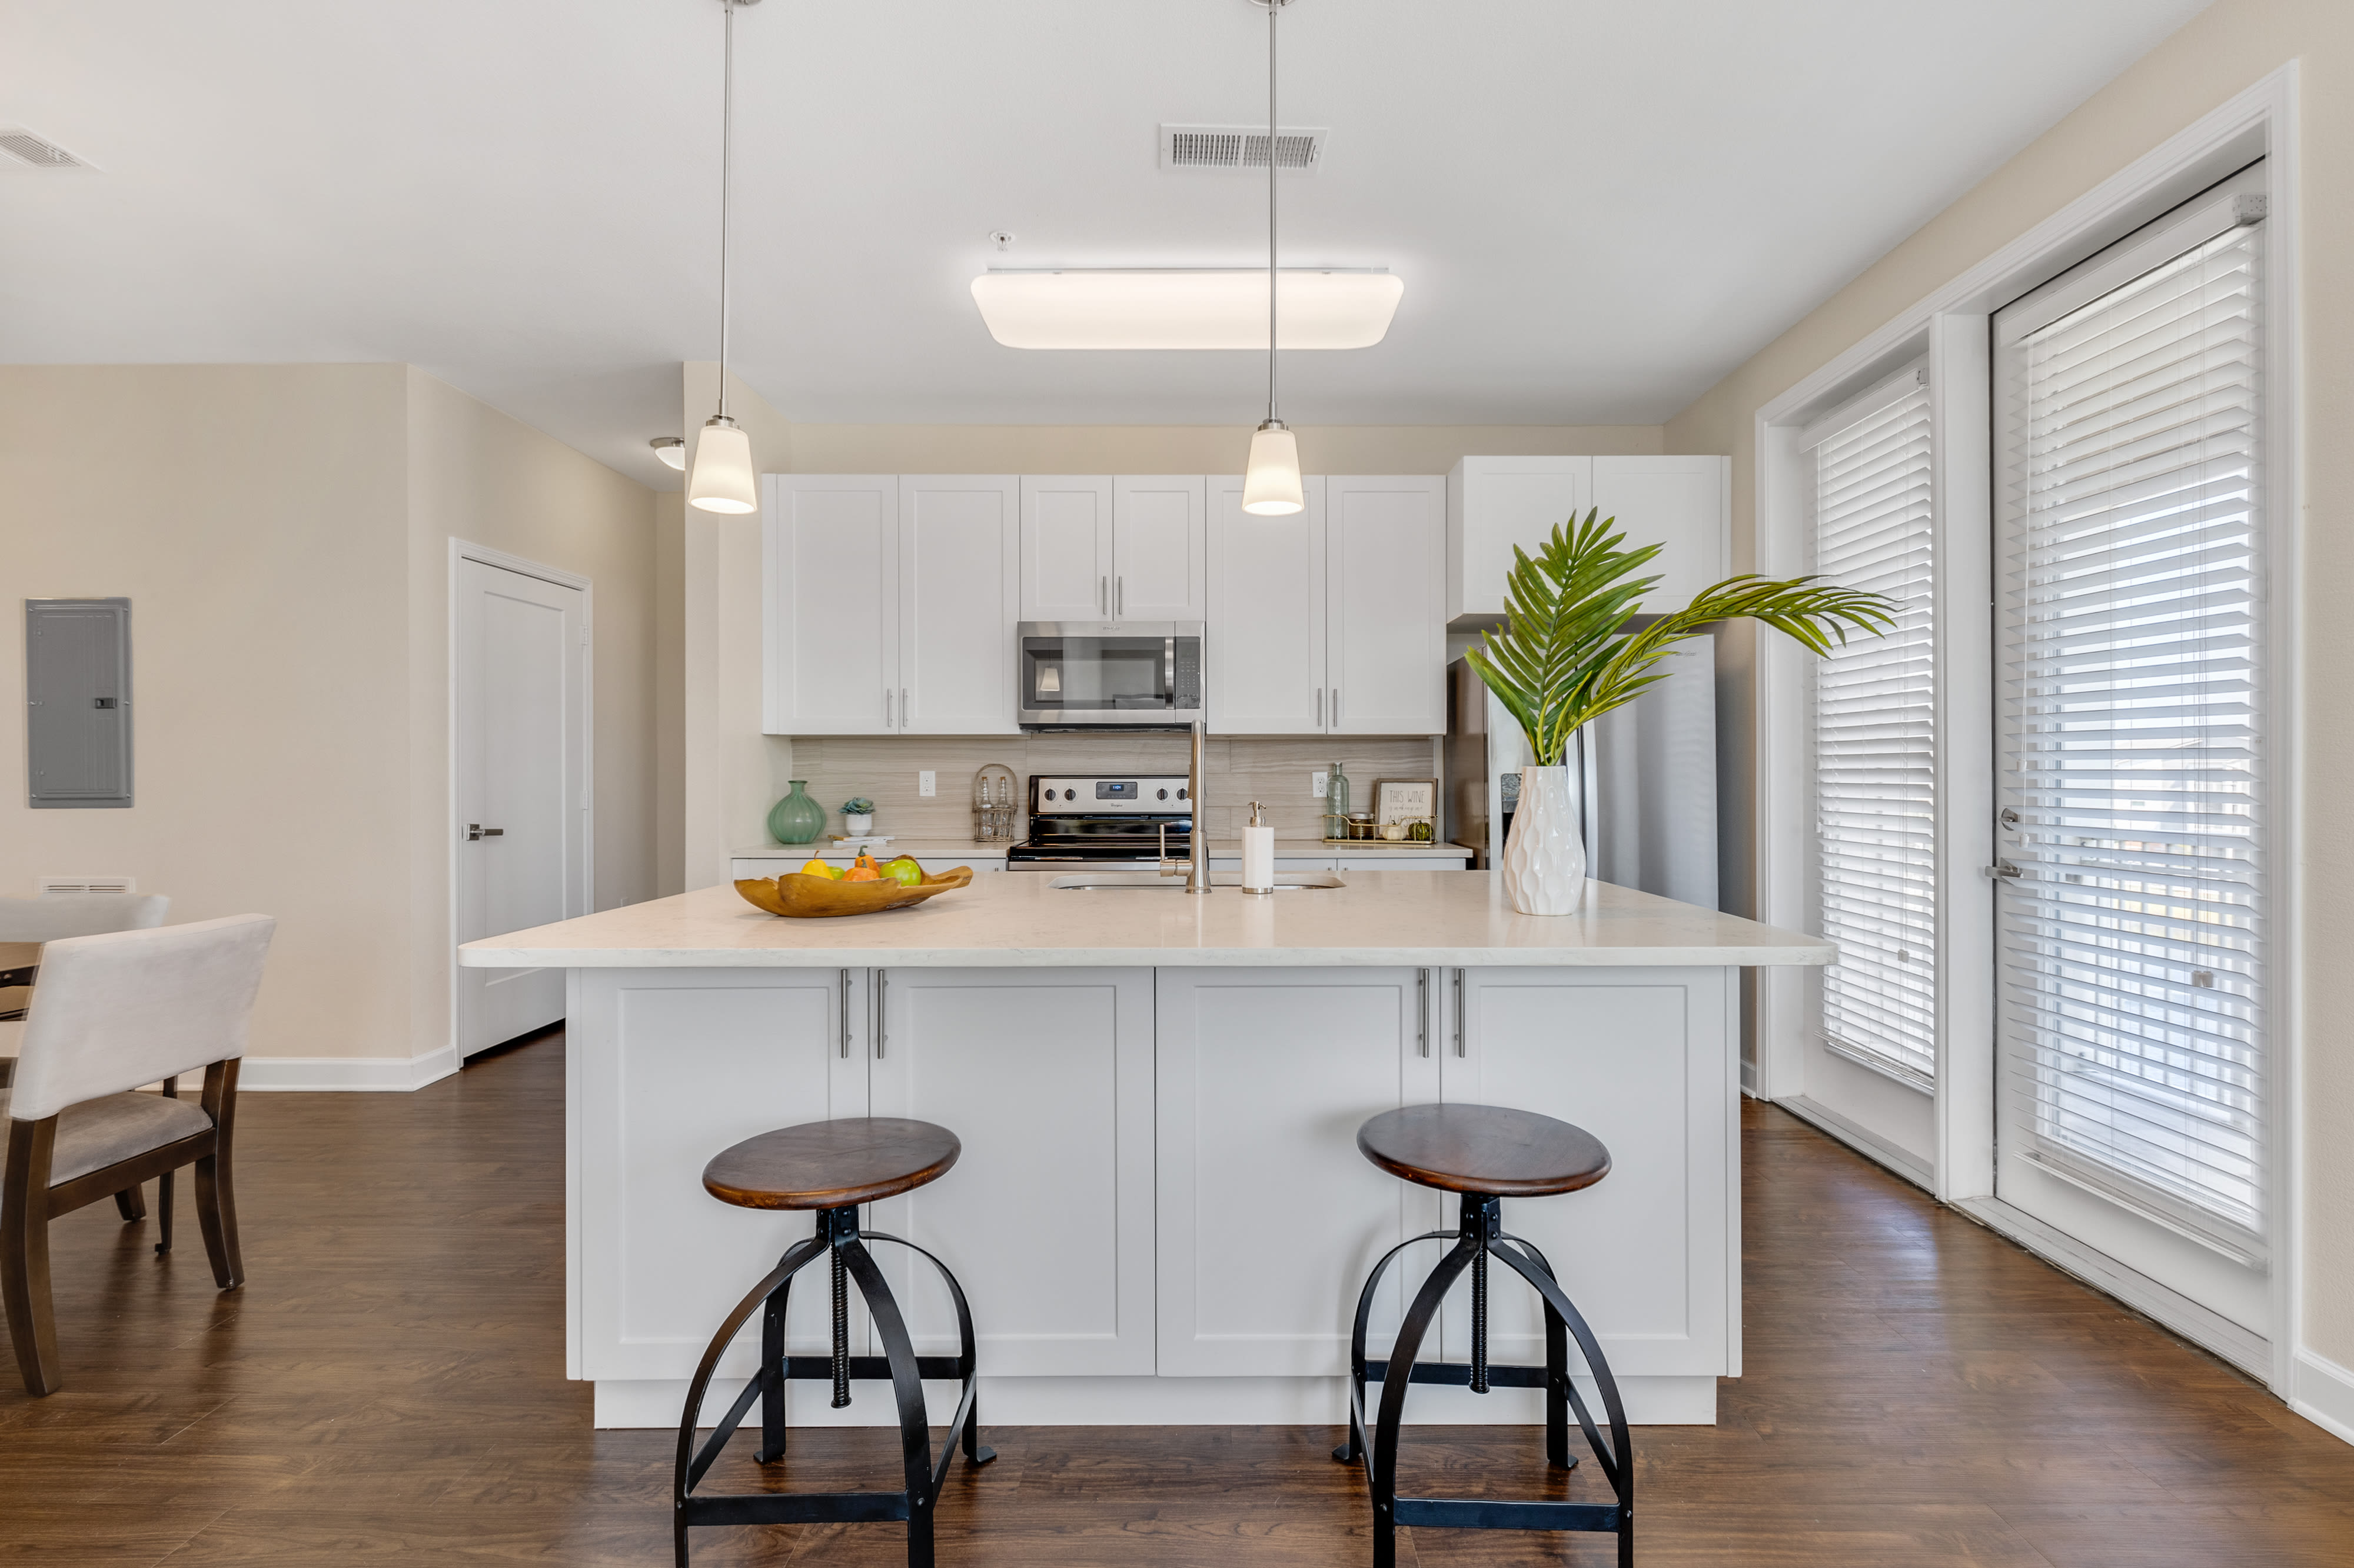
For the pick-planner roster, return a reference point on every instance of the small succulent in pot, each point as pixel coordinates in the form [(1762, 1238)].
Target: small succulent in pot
[(858, 816)]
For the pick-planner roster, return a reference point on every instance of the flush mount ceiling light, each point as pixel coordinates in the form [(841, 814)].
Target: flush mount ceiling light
[(1185, 308), (724, 479), (672, 450), (1271, 486)]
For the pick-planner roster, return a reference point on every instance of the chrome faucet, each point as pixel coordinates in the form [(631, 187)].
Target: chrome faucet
[(1197, 863)]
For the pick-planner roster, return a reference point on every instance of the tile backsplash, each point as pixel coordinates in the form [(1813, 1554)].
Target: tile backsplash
[(1236, 770)]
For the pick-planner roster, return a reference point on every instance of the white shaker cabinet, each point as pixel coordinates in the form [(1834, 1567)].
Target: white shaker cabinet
[(669, 1067), (1385, 627), (1647, 1060), (1067, 547), (1683, 505), (1046, 1077), (1329, 621), (959, 557), (1160, 565), (830, 621), (1264, 656), (1496, 503), (1269, 1217)]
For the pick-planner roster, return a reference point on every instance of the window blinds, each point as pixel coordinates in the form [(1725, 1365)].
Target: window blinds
[(2131, 942), (1875, 739)]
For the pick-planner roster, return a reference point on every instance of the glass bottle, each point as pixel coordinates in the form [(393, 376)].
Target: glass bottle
[(1336, 803)]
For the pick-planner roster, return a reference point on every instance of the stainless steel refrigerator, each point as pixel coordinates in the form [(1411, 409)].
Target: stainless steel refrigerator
[(1650, 774)]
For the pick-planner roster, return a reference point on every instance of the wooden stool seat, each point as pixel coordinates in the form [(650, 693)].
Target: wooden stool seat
[(831, 1164), (1487, 1150)]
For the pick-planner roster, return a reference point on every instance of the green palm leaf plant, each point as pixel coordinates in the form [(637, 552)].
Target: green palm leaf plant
[(1569, 652)]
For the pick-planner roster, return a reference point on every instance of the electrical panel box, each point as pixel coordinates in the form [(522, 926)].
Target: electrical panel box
[(78, 702)]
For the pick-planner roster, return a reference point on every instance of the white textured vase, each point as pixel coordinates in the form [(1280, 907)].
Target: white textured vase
[(1544, 856)]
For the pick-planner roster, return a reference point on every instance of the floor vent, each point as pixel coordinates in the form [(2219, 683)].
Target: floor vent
[(21, 149), (1239, 149), (87, 884)]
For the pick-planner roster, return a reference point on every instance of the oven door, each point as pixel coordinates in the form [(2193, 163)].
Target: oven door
[(1099, 675)]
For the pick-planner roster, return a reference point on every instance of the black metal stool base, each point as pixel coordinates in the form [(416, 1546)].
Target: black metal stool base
[(1480, 1234), (837, 1236)]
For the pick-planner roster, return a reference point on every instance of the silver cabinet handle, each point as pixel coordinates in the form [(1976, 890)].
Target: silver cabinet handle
[(1320, 708), (886, 707), (903, 708), (1103, 596), (1459, 1012), (1422, 1010), (845, 1015), (1120, 596), (1336, 704), (882, 1025)]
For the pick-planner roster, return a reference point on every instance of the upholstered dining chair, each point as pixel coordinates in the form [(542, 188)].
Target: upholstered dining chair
[(112, 1012)]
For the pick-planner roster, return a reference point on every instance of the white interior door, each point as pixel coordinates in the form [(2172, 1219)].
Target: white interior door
[(521, 773), (2134, 748)]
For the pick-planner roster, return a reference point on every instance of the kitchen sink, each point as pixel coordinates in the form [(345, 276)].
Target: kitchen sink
[(1223, 881)]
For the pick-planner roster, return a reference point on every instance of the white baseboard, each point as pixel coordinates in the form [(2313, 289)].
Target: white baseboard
[(316, 1074), (1910, 1166), (2242, 1346), (2323, 1392), (1157, 1401)]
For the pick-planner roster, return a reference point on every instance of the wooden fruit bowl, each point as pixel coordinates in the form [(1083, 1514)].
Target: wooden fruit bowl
[(813, 897)]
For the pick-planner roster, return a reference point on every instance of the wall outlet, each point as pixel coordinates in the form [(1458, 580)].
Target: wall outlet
[(1316, 784), (928, 782)]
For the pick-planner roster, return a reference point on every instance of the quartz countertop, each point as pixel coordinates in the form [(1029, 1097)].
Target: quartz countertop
[(1420, 917), (952, 851)]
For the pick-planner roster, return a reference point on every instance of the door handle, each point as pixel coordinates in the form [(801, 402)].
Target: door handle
[(2002, 871), (477, 831)]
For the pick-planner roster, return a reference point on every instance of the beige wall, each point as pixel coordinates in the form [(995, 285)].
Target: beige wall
[(729, 774), (280, 531), (2224, 51)]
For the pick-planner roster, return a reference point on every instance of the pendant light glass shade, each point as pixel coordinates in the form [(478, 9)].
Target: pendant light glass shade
[(1271, 485), (723, 480)]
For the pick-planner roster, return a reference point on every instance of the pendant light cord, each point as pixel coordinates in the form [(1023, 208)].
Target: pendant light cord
[(1274, 7), (726, 182)]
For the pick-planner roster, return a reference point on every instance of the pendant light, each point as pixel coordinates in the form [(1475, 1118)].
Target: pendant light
[(723, 479), (1271, 486)]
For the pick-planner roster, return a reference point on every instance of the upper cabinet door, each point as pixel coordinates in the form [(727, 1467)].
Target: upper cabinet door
[(1160, 557), (1681, 502), (959, 556), (1264, 648), (1067, 547), (829, 625), (1496, 503), (1385, 541)]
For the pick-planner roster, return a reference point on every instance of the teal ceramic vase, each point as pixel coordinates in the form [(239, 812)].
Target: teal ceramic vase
[(796, 819)]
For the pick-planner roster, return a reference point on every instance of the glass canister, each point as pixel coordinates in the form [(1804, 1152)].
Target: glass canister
[(796, 819)]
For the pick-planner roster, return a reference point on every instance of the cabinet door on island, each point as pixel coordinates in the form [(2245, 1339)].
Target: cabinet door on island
[(1269, 1218), (670, 1066), (1045, 1077)]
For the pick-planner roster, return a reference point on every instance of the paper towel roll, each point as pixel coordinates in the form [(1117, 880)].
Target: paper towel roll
[(1259, 860)]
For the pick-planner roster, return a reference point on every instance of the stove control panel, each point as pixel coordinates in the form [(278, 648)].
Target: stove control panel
[(1139, 795)]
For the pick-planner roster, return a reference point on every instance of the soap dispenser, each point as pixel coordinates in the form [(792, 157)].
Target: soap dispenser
[(1258, 854)]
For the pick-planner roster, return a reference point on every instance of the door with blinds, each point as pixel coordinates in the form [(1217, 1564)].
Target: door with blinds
[(1875, 772), (2134, 725)]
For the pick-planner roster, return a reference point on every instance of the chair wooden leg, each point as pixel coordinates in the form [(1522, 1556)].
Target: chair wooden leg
[(131, 1203), (25, 1254), (164, 1212), (215, 1196)]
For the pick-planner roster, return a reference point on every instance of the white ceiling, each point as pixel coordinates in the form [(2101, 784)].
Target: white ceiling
[(1598, 207)]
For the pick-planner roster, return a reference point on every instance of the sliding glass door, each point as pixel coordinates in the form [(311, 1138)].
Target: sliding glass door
[(2133, 729)]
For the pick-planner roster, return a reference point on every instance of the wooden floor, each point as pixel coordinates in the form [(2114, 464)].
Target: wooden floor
[(389, 1386)]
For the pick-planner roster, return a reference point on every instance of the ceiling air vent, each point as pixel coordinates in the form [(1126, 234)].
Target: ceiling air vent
[(21, 149), (1239, 149)]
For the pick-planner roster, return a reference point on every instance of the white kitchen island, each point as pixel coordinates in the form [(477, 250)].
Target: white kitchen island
[(1161, 1215)]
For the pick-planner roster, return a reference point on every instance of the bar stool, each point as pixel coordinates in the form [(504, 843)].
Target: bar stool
[(1487, 1153), (831, 1167)]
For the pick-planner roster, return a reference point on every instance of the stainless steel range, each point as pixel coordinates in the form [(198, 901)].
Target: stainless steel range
[(1111, 820)]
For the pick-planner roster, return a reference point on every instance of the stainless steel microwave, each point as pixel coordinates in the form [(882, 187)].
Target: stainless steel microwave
[(1110, 675)]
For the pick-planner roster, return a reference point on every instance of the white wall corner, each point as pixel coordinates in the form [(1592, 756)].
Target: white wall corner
[(2323, 1392), (332, 1075)]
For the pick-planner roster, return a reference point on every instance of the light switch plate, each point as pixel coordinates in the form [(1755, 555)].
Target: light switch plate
[(928, 782), (1316, 784)]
